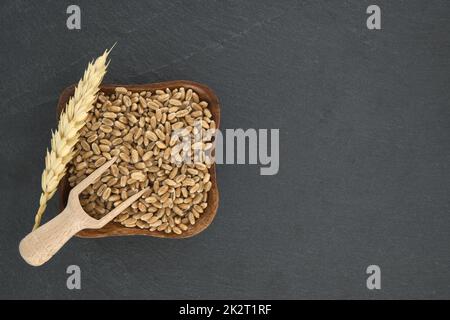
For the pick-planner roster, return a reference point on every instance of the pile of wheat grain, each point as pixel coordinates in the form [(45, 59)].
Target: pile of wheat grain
[(138, 127)]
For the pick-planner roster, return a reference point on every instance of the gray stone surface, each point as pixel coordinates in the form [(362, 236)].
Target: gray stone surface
[(364, 123)]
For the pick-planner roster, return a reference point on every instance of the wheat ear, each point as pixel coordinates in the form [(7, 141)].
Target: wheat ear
[(66, 136)]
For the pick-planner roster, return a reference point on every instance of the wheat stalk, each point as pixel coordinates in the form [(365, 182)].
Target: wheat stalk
[(67, 133)]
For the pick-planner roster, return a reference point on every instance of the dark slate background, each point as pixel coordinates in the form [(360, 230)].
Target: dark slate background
[(364, 123)]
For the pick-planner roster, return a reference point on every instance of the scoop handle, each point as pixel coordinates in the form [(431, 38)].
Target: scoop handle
[(42, 244)]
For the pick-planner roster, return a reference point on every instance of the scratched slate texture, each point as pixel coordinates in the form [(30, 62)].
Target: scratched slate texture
[(364, 123)]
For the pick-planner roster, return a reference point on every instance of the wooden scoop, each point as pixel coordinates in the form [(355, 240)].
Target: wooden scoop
[(41, 244)]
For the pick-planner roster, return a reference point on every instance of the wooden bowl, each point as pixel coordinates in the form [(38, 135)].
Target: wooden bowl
[(116, 229)]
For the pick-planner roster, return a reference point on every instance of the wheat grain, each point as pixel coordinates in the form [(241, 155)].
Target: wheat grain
[(138, 127), (66, 136)]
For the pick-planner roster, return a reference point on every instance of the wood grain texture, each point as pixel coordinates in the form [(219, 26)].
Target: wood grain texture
[(116, 229), (44, 242)]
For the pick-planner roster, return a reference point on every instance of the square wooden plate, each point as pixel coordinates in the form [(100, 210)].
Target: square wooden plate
[(116, 229)]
